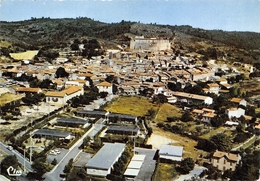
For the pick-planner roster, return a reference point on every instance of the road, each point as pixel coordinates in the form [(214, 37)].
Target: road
[(18, 155), (73, 152), (235, 149)]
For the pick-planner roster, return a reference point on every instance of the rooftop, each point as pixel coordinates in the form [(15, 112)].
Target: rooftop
[(171, 150), (106, 156)]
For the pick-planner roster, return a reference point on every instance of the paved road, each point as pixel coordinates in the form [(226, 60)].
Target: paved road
[(73, 152), (18, 155)]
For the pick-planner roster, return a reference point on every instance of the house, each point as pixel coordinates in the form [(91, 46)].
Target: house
[(102, 162), (257, 129), (61, 97), (207, 117), (235, 112), (239, 101), (22, 90), (105, 87), (170, 152), (212, 88), (225, 161)]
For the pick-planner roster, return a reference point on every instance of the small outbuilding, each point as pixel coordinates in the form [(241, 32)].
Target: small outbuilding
[(170, 152)]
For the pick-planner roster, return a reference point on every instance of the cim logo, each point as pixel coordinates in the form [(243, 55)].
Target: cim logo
[(13, 172)]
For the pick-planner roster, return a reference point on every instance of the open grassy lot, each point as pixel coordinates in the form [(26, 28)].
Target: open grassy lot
[(134, 105), (213, 132), (6, 98), (165, 172), (178, 140), (167, 110)]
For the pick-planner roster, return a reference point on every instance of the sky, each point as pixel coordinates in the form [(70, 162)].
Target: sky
[(227, 15)]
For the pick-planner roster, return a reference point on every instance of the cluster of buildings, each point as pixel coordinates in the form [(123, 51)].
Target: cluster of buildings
[(149, 66)]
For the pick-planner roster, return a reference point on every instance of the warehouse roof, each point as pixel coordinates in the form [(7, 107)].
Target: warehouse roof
[(106, 156), (122, 128), (171, 150), (71, 120)]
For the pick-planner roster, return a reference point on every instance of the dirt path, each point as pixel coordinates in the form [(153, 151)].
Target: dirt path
[(157, 140)]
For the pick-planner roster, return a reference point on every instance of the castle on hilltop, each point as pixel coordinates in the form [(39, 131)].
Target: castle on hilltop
[(153, 44)]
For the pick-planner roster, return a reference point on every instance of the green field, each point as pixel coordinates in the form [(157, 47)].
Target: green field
[(225, 130), (167, 110), (133, 105)]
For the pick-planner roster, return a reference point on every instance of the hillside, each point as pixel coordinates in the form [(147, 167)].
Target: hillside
[(46, 33)]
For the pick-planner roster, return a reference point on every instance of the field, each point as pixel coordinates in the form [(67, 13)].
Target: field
[(28, 55), (131, 105), (167, 110), (225, 130), (6, 98), (178, 140)]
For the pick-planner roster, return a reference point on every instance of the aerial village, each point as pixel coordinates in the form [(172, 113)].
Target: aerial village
[(195, 126)]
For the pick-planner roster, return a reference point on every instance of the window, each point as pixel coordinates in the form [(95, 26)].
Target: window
[(224, 161)]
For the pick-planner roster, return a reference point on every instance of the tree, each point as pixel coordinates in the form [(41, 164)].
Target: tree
[(54, 162), (187, 165), (186, 117), (61, 72), (221, 141), (74, 47), (8, 161), (40, 167), (68, 167)]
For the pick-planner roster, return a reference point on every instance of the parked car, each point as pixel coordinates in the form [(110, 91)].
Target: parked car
[(52, 152), (57, 151)]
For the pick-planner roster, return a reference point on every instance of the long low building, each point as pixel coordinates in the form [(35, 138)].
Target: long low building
[(123, 130), (72, 122), (107, 115), (195, 98), (102, 162), (52, 133)]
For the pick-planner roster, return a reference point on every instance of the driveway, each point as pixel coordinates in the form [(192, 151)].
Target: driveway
[(195, 172)]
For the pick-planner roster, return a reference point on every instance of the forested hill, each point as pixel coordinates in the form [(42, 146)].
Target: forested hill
[(60, 33)]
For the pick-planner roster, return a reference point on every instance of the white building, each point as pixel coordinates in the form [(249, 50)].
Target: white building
[(235, 112), (105, 87), (61, 97), (170, 152)]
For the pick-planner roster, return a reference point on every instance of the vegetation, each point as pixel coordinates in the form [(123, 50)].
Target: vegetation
[(7, 162), (134, 105), (165, 172)]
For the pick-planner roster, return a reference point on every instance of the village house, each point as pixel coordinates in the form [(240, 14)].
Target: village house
[(105, 87), (22, 90), (225, 161), (207, 117), (61, 97), (239, 101), (235, 112), (212, 88)]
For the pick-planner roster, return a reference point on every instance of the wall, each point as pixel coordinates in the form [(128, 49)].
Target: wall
[(150, 44)]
